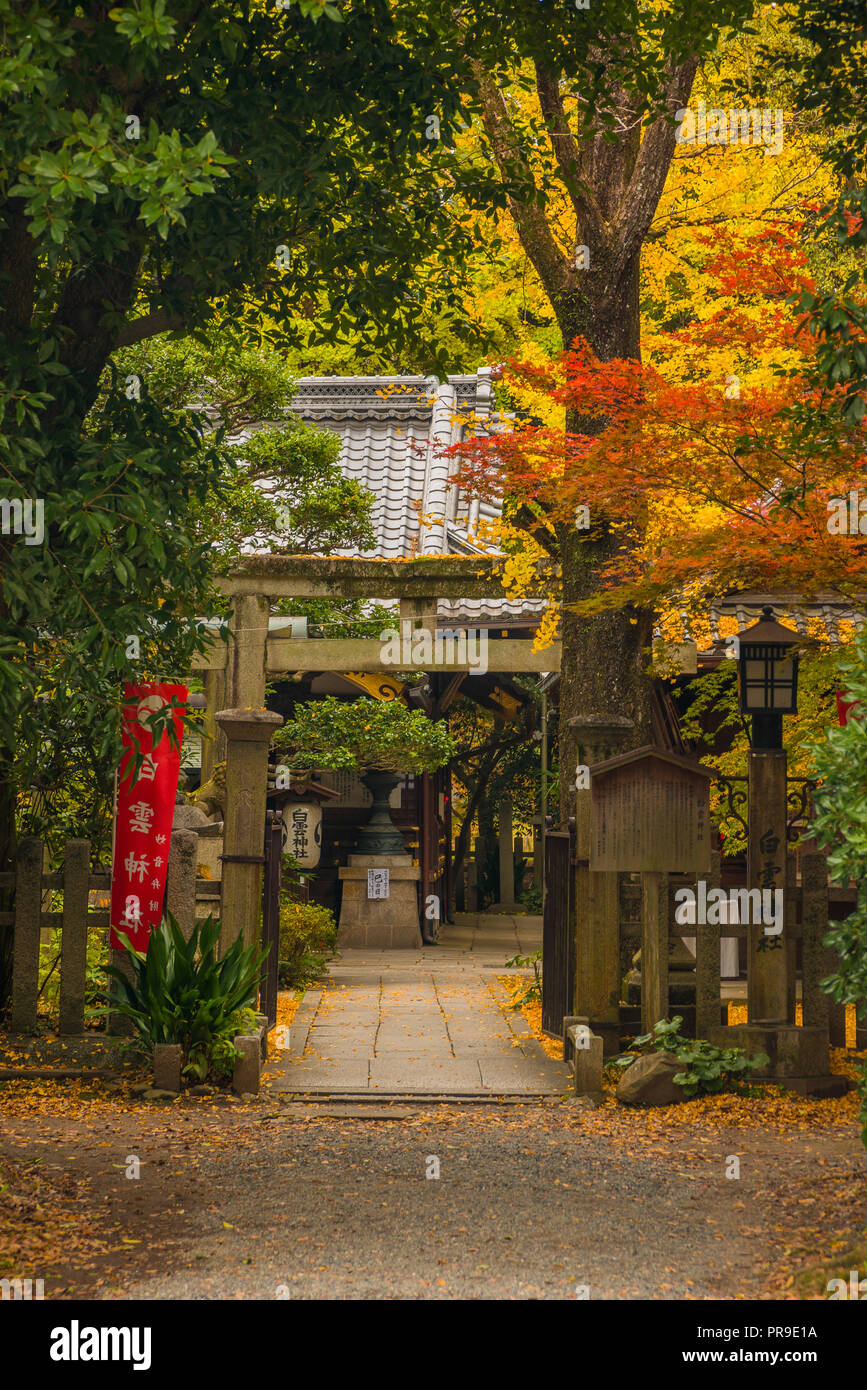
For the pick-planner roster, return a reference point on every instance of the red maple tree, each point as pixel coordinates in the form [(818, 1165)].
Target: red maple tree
[(757, 483)]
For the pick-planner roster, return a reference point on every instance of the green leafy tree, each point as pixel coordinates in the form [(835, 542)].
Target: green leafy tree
[(841, 826), (495, 760), (164, 167), (363, 734), (282, 489), (823, 65)]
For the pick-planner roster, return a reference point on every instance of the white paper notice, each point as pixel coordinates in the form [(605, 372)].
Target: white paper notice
[(377, 883)]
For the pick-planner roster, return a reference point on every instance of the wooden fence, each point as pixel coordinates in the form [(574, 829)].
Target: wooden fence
[(30, 883), (76, 882), (807, 903), (806, 906)]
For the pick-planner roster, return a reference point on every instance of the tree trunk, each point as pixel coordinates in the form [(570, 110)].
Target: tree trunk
[(614, 185), (604, 685), (605, 691)]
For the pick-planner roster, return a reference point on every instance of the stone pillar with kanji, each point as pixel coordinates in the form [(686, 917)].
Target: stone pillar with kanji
[(797, 1055), (768, 958)]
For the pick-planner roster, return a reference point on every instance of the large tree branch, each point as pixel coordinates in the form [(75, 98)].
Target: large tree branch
[(647, 181), (148, 326), (528, 214), (566, 152), (537, 528), (772, 209)]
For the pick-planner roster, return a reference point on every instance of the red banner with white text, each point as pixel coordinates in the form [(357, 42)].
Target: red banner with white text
[(145, 809)]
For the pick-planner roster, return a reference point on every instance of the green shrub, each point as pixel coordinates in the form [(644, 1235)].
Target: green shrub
[(531, 899), (94, 981), (180, 993), (95, 984), (707, 1070), (215, 1057), (364, 734), (307, 936), (840, 826)]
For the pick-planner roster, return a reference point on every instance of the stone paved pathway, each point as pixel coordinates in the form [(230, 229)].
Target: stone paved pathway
[(419, 1022)]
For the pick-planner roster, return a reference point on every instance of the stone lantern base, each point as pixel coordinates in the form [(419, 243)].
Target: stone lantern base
[(798, 1056), (379, 924)]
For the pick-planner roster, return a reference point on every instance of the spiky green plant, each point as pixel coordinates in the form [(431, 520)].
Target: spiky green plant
[(181, 993)]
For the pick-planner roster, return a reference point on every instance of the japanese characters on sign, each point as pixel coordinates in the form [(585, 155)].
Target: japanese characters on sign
[(377, 883), (302, 833), (145, 808), (651, 812), (769, 871)]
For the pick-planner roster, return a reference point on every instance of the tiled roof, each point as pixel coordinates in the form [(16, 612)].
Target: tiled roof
[(828, 617), (393, 431), (827, 611)]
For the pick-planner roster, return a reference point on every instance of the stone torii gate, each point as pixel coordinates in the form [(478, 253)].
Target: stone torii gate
[(238, 665)]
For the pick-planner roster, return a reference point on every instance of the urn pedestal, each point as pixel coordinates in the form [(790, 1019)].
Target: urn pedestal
[(379, 923)]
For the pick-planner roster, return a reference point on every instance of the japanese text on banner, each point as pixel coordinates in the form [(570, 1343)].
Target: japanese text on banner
[(145, 809)]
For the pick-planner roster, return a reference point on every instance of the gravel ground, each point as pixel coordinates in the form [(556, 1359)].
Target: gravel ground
[(270, 1201), (334, 1211)]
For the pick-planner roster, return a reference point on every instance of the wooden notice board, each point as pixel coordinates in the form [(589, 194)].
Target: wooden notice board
[(651, 813)]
